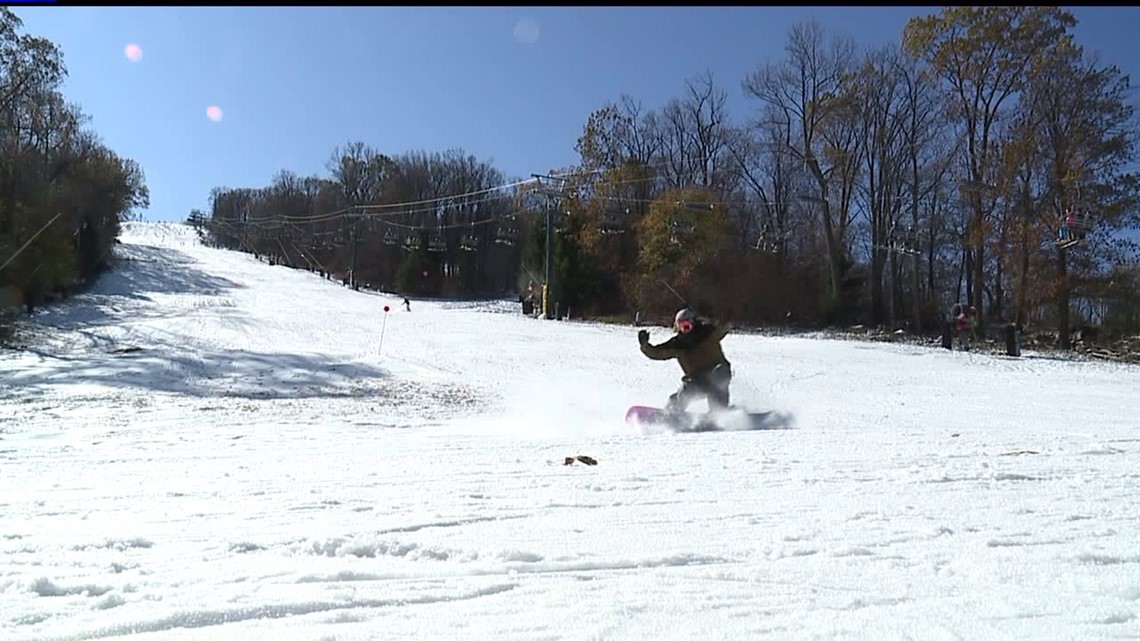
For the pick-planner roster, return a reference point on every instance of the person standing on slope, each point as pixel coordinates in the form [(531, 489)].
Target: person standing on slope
[(696, 346)]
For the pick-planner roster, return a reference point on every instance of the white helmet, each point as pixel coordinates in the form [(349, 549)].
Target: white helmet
[(684, 314)]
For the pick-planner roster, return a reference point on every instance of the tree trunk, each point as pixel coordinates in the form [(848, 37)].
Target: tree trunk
[(931, 283), (999, 291), (916, 305), (876, 278), (834, 258), (1063, 294), (965, 272), (1023, 279), (896, 289), (979, 270)]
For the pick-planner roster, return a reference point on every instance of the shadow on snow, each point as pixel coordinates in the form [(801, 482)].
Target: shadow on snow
[(125, 295)]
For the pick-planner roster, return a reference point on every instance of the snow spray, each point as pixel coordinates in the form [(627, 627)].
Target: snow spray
[(382, 326)]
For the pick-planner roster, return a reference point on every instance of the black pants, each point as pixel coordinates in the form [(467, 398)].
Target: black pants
[(712, 385)]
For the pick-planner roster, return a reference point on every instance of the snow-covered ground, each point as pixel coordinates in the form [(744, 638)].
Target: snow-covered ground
[(210, 448)]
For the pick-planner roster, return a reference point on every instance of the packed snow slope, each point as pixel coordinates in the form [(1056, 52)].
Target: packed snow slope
[(206, 447)]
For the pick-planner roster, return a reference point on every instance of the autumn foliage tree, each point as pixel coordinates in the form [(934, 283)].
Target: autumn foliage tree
[(982, 54), (63, 194), (861, 185), (684, 232)]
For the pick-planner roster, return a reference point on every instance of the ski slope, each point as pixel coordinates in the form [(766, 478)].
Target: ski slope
[(206, 447)]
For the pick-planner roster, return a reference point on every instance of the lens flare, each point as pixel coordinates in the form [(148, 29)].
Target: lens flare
[(526, 31), (214, 112), (133, 52)]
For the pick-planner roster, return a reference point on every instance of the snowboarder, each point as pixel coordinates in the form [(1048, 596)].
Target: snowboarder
[(696, 346)]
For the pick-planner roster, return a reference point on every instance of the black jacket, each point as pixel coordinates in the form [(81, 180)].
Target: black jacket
[(698, 351)]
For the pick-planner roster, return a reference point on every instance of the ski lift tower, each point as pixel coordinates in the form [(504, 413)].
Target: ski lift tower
[(554, 188)]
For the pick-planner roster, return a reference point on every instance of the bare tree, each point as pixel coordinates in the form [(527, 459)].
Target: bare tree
[(874, 91), (697, 129), (807, 88)]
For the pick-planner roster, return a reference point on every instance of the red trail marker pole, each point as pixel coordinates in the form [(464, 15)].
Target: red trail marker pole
[(382, 326)]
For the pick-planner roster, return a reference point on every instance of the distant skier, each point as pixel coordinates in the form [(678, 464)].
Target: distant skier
[(958, 326), (963, 316), (407, 304), (696, 346)]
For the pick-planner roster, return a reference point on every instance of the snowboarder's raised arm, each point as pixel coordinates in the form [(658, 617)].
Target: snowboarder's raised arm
[(720, 329), (662, 352)]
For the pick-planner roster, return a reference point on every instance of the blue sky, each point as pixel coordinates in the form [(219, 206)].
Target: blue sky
[(513, 86)]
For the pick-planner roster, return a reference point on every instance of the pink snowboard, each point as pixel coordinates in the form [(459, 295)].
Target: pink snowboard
[(639, 414), (644, 415)]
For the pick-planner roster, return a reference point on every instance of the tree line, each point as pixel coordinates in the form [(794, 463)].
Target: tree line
[(419, 223), (987, 159), (63, 193)]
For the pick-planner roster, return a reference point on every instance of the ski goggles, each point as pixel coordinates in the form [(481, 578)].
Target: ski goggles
[(685, 325)]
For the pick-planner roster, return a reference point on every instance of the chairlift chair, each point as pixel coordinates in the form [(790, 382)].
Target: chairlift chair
[(469, 243), (1073, 229), (768, 244), (679, 231), (901, 241), (769, 241), (910, 241), (612, 223), (505, 236)]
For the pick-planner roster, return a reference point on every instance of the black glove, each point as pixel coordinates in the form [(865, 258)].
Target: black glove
[(643, 336)]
